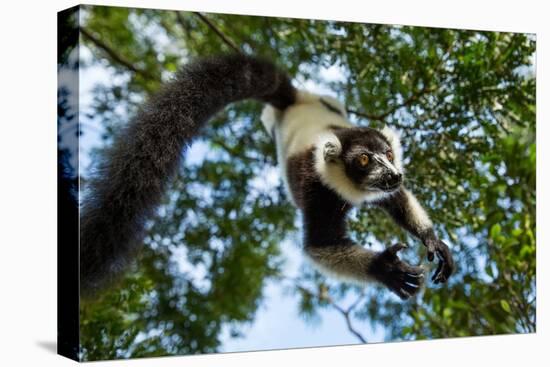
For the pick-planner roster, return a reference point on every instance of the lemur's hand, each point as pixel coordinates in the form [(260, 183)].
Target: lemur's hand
[(401, 278), (446, 265)]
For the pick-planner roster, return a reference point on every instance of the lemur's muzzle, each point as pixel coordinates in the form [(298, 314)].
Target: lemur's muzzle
[(390, 181)]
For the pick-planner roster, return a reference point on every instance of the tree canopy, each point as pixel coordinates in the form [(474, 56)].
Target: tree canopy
[(464, 102)]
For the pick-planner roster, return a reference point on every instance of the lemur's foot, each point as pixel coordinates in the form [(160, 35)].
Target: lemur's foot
[(331, 152), (401, 278)]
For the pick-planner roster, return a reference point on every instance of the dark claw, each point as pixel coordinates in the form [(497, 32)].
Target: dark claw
[(404, 294), (410, 289)]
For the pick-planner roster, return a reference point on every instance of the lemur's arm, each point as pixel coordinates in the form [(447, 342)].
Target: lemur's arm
[(360, 265), (405, 209)]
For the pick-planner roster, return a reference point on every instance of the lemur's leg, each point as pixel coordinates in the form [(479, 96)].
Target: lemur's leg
[(360, 265), (405, 209)]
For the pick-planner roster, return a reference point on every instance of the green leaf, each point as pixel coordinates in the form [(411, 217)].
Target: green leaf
[(505, 305), (495, 231)]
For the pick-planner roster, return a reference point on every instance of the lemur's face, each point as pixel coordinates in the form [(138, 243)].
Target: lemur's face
[(369, 160)]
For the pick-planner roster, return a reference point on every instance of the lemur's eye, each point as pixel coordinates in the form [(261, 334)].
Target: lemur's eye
[(363, 160), (389, 155)]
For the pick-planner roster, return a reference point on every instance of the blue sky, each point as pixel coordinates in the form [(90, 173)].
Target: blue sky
[(278, 325)]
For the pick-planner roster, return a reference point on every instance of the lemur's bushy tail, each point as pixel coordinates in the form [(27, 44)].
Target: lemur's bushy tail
[(131, 180)]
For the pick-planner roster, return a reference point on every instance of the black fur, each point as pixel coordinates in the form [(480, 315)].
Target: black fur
[(324, 212), (131, 180)]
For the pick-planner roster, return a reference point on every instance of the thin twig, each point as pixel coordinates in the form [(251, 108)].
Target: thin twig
[(344, 312), (382, 116), (113, 55), (216, 30), (346, 315), (180, 20), (357, 301), (233, 153)]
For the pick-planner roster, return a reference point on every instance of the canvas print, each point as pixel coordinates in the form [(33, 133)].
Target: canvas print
[(239, 183)]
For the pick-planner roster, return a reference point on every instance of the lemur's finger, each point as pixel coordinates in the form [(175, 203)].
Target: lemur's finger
[(413, 284), (437, 272), (403, 294), (444, 273), (411, 289), (408, 278), (441, 278), (393, 250), (416, 270)]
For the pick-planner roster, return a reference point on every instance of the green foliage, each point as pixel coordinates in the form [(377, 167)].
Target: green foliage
[(465, 103)]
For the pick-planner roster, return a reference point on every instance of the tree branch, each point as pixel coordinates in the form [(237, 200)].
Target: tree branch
[(344, 312), (113, 55), (216, 30), (415, 96), (382, 116)]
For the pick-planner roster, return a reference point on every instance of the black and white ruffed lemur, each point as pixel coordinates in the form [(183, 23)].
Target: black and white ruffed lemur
[(327, 164)]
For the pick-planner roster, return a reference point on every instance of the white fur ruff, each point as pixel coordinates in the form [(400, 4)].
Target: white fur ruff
[(334, 176), (393, 137)]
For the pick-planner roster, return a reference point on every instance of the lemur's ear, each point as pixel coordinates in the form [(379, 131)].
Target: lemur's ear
[(394, 139), (328, 148)]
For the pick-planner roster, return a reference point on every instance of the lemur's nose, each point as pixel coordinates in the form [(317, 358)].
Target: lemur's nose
[(393, 178)]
